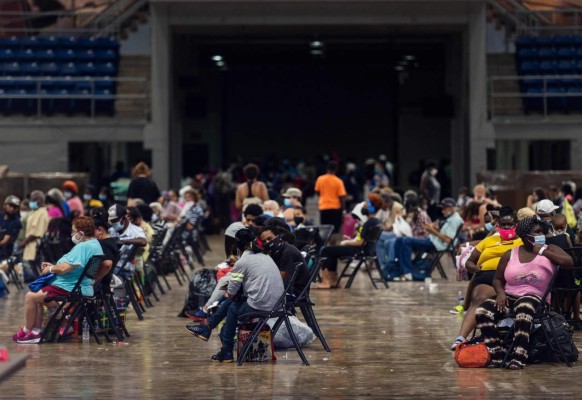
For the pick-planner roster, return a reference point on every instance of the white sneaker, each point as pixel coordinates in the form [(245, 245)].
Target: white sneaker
[(404, 278)]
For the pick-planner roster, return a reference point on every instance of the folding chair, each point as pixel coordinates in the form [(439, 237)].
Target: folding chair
[(125, 270), (105, 298), (366, 256), (304, 303), (541, 317), (437, 255), (561, 292), (12, 275), (74, 305), (282, 311)]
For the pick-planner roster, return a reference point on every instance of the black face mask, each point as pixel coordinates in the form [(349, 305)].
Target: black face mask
[(275, 246), (365, 211), (298, 220)]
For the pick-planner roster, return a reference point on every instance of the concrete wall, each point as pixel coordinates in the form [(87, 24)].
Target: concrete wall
[(138, 42)]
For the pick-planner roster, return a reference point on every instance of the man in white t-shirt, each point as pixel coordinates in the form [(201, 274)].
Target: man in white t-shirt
[(128, 233)]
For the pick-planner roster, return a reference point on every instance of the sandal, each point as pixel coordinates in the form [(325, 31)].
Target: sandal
[(457, 342), (514, 366)]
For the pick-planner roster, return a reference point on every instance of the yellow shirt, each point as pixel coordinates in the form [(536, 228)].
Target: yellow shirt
[(36, 225), (492, 248)]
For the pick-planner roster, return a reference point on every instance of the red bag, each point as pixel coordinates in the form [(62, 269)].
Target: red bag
[(472, 355)]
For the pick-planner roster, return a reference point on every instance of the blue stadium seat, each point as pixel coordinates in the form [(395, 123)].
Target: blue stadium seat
[(105, 69), (564, 40), (81, 105), (49, 69), (566, 52), (105, 102), (69, 69), (107, 43), (527, 52), (86, 55), (11, 42), (12, 68), (106, 55), (548, 67), (8, 83), (105, 84), (30, 69), (30, 42), (567, 67), (531, 83), (65, 84), (579, 66), (526, 40), (66, 55), (25, 54), (50, 42), (545, 40), (45, 55), (87, 69), (529, 67), (7, 55), (88, 43), (68, 42), (547, 52)]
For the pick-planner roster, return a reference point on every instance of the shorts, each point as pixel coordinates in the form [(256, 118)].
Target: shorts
[(484, 278), (54, 291), (331, 217)]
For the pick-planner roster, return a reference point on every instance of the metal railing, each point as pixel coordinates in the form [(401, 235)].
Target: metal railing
[(556, 21), (39, 99), (104, 18), (506, 97)]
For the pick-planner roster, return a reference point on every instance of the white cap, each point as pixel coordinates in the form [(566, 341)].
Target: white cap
[(546, 207)]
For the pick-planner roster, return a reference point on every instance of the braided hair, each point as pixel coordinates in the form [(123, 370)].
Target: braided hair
[(526, 225)]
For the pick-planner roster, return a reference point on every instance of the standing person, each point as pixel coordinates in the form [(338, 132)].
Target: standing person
[(10, 224), (251, 188), (332, 197), (71, 192), (430, 188), (36, 226), (142, 186)]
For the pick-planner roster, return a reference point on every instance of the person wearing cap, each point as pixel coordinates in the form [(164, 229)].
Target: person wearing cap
[(292, 197), (127, 233), (348, 247), (332, 197), (252, 188), (255, 275), (36, 226), (438, 240), (546, 209), (10, 226), (71, 193)]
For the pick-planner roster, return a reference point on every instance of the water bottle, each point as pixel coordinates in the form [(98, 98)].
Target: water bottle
[(460, 298), (85, 328)]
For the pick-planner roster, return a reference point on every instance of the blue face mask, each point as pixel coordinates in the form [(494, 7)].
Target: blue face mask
[(488, 226), (102, 197), (33, 205), (287, 203), (117, 226), (539, 239)]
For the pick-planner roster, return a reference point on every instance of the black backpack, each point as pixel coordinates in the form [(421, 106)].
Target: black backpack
[(201, 286), (539, 348)]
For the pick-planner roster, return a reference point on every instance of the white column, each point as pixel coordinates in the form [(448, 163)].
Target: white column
[(157, 134)]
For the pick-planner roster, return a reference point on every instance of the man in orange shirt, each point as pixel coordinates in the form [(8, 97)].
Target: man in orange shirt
[(332, 195)]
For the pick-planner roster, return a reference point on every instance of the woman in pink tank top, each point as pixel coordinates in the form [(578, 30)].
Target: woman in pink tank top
[(523, 276)]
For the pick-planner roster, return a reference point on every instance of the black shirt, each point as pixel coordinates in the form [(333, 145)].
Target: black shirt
[(143, 188), (286, 263), (110, 249), (12, 227)]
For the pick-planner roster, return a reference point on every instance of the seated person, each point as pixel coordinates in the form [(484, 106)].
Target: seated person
[(439, 238), (108, 245), (68, 269), (483, 263), (257, 276), (348, 247), (285, 256), (521, 279), (127, 233)]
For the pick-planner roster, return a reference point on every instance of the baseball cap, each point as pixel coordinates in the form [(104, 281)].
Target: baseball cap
[(116, 212), (12, 200), (292, 192), (448, 202), (546, 207)]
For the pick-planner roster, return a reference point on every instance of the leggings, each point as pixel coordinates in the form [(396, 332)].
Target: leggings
[(487, 317), (332, 253)]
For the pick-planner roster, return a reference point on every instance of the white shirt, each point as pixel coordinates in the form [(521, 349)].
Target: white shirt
[(131, 232)]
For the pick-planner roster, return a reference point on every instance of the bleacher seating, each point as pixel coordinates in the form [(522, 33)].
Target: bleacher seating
[(558, 62), (66, 71)]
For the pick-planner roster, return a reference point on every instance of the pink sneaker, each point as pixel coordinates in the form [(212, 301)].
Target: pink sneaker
[(19, 335), (30, 338)]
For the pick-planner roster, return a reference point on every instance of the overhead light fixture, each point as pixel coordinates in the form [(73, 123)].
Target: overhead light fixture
[(317, 48), (409, 57), (217, 58)]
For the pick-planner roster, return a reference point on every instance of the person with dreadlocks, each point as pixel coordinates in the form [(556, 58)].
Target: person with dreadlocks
[(255, 285), (523, 275), (285, 255)]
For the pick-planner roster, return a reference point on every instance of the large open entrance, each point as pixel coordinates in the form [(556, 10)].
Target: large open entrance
[(301, 93)]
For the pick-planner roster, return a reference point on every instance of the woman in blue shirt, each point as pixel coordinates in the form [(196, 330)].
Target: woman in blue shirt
[(68, 269)]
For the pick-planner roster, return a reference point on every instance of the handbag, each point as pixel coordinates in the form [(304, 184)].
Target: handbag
[(472, 355), (401, 228), (41, 281)]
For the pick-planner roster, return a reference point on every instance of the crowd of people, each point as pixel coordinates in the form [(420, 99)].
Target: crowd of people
[(266, 226)]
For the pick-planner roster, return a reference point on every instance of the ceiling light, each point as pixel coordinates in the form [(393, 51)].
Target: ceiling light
[(217, 58), (409, 57)]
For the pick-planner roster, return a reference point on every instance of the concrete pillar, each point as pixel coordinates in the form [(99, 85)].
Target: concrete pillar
[(480, 132), (157, 134)]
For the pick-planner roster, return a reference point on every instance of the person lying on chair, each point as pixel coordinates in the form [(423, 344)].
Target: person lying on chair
[(523, 276), (255, 285)]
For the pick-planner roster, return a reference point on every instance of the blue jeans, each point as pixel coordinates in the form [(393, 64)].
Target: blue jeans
[(406, 247), (232, 310), (381, 247)]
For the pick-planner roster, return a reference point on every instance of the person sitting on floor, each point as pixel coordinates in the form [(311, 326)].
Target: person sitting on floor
[(522, 278), (68, 269), (438, 240), (255, 285), (348, 247), (483, 263)]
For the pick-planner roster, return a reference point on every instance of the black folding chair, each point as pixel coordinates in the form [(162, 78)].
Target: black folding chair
[(304, 303), (74, 306), (125, 270), (280, 310), (365, 257), (11, 273), (566, 287), (105, 297), (541, 317)]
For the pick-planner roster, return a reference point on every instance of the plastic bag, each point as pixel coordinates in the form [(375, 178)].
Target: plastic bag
[(401, 228), (302, 331)]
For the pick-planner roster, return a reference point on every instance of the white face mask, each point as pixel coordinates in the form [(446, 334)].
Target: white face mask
[(74, 237), (433, 171), (154, 217), (68, 195), (23, 214)]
